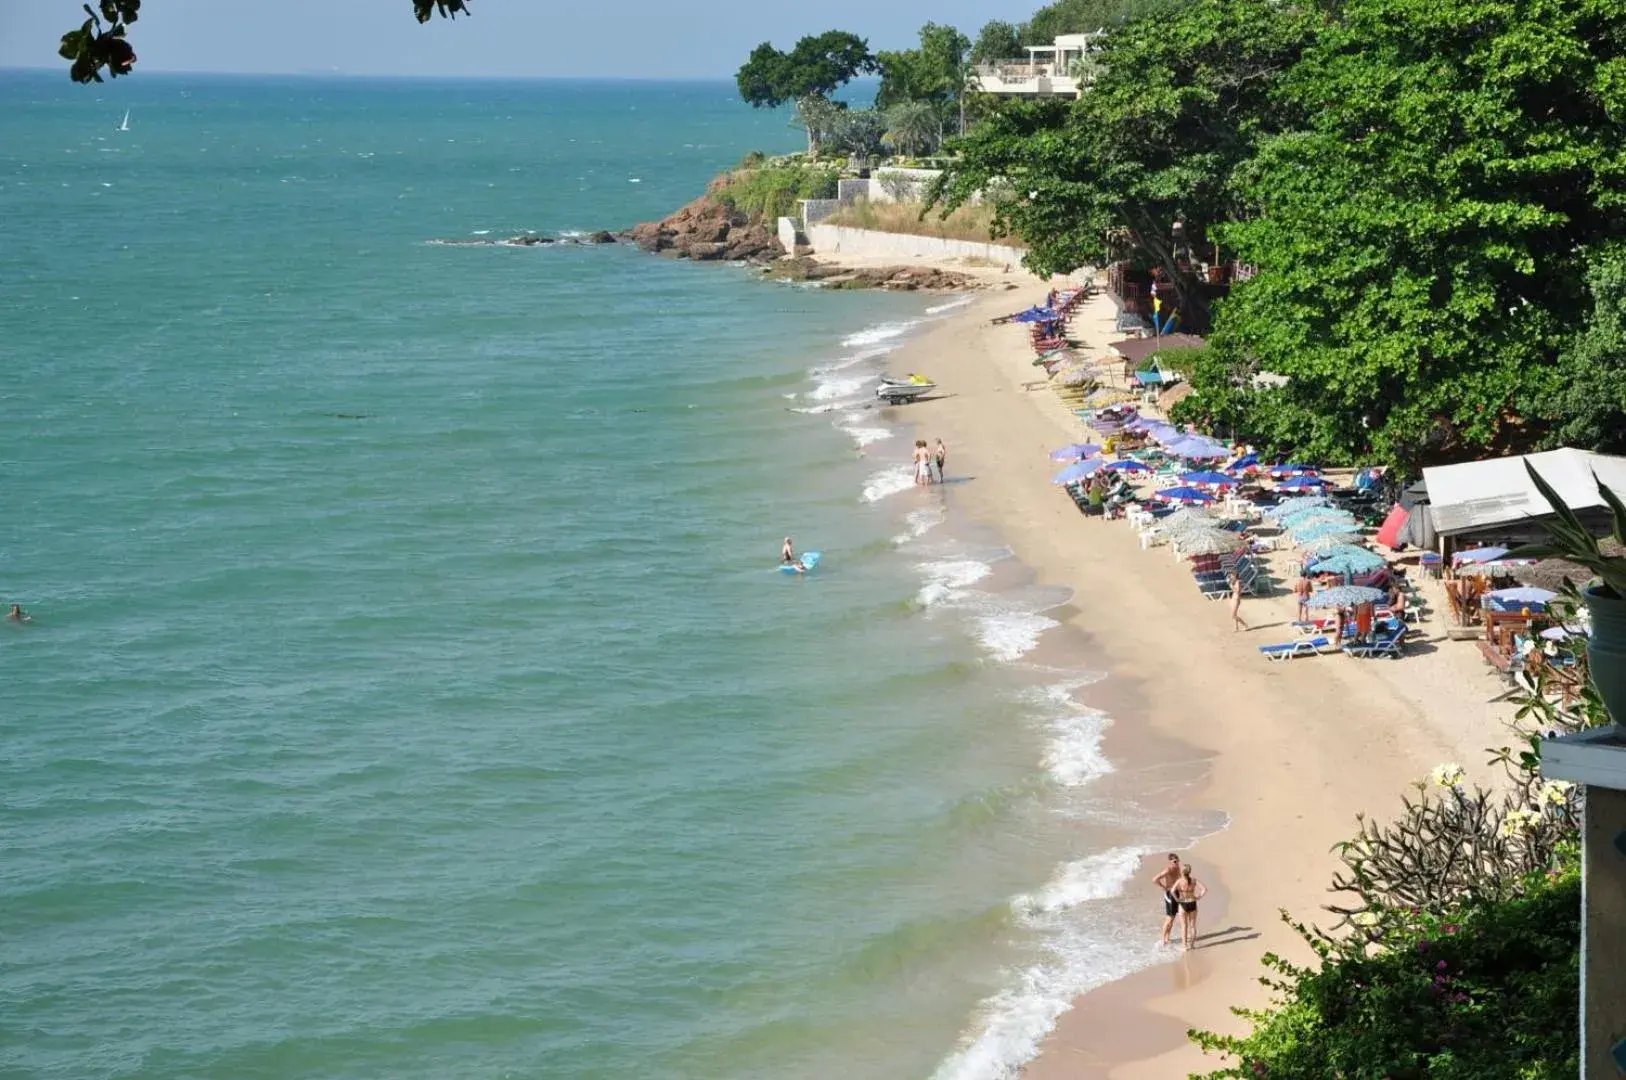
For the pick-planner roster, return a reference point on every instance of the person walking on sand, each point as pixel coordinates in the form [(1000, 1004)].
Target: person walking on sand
[(1236, 603), (1165, 880), (1187, 891), (1302, 588), (940, 458)]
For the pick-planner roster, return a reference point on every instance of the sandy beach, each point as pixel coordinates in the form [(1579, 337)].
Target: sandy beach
[(1294, 751)]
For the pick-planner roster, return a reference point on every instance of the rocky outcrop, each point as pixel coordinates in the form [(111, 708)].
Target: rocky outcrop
[(894, 278), (708, 229), (526, 240)]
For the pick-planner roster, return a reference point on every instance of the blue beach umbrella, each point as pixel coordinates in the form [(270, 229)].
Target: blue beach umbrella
[(1128, 465), (1246, 461), (1185, 495), (1195, 449), (1319, 516), (1075, 452), (1326, 549), (1079, 470), (1207, 477), (1302, 483), (1348, 563), (1282, 472), (1345, 596), (1479, 555), (1037, 314)]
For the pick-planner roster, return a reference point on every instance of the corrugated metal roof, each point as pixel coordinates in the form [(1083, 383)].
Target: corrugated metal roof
[(1484, 494)]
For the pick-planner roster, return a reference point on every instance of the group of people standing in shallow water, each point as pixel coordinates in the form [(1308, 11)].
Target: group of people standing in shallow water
[(929, 462)]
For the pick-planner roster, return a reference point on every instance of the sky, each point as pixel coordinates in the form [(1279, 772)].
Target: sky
[(540, 38)]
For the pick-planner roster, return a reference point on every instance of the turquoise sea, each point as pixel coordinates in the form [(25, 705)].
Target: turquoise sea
[(410, 691)]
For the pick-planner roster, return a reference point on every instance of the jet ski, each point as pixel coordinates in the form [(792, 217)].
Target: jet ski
[(909, 388)]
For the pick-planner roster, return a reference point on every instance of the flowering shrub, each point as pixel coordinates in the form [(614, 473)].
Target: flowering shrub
[(1479, 991)]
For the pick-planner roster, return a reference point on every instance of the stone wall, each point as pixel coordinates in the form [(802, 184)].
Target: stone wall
[(787, 235), (866, 243)]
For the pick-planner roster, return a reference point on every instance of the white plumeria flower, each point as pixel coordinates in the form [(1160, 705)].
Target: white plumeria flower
[(1555, 792), (1447, 776), (1365, 918)]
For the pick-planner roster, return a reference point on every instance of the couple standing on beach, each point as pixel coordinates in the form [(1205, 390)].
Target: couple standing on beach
[(1181, 892), (929, 463)]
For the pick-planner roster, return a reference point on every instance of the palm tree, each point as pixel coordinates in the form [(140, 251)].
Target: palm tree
[(914, 127)]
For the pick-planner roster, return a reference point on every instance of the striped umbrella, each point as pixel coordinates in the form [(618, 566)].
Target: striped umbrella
[(1296, 504), (1349, 563), (1208, 542), (1341, 532), (1330, 550), (1315, 514), (1188, 495), (1330, 543), (1345, 596)]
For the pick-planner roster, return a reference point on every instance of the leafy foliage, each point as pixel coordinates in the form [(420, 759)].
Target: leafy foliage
[(997, 40), (858, 132), (1083, 16), (807, 75), (935, 73), (914, 128), (1572, 540), (1480, 991), (1588, 409), (94, 48), (1419, 238), (773, 190), (1181, 103)]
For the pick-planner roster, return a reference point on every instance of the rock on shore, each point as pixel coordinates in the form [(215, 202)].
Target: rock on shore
[(708, 229)]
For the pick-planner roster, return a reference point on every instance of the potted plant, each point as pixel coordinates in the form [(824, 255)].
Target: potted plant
[(1605, 595)]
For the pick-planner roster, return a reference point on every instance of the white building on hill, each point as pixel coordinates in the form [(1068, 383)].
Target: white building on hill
[(1059, 70)]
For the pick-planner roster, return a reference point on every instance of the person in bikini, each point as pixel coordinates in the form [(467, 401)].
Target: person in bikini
[(1165, 880), (1186, 892)]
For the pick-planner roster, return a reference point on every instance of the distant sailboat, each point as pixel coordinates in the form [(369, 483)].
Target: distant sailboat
[(125, 126)]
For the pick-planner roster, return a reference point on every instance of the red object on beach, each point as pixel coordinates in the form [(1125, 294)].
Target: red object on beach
[(1389, 533)]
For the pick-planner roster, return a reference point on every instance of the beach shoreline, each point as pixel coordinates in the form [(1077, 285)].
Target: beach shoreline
[(1286, 754)]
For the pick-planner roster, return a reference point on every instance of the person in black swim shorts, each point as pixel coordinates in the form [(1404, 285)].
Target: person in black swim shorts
[(1165, 881)]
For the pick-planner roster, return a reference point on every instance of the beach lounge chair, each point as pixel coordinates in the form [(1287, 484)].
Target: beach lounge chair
[(1288, 650), (1386, 644)]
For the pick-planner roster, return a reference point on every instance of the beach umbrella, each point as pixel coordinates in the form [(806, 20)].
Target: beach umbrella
[(1075, 452), (1185, 495), (1524, 594), (1282, 472), (1079, 470), (1188, 528), (1207, 478), (1209, 542), (1302, 525), (1243, 463), (1330, 543), (1128, 465), (1344, 531), (1296, 504), (1314, 513), (1349, 563), (1345, 596), (1079, 376), (1195, 449), (1302, 483), (1329, 549), (1478, 555), (1187, 515), (1562, 633)]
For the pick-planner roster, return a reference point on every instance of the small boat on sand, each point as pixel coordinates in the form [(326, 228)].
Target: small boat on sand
[(909, 388)]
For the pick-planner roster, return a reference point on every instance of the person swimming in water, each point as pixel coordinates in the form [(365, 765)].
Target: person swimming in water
[(788, 557), (17, 614)]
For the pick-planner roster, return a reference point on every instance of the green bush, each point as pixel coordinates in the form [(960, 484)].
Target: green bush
[(1485, 991), (774, 190)]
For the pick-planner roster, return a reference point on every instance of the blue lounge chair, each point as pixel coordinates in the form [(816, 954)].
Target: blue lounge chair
[(1287, 650), (1385, 644)]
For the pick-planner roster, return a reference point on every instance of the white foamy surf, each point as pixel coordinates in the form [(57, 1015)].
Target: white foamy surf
[(1081, 948), (875, 335), (951, 305), (948, 580), (919, 522), (889, 481), (1011, 635)]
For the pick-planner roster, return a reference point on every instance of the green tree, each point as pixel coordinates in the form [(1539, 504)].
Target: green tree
[(1083, 16), (858, 132), (96, 46), (1421, 241), (914, 127), (1588, 409), (1180, 103), (997, 40), (936, 73), (806, 76)]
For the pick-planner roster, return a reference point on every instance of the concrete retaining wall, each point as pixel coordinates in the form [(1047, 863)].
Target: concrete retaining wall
[(867, 243), (787, 235)]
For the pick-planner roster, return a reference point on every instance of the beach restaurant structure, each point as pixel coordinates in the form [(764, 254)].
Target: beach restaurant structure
[(1495, 499)]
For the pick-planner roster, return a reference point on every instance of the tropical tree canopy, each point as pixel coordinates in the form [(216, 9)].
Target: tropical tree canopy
[(101, 42), (914, 127), (807, 76), (997, 40), (936, 72)]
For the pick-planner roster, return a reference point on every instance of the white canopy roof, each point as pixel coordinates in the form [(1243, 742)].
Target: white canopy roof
[(1485, 494)]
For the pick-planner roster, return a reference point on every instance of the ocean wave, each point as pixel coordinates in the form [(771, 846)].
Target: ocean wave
[(919, 522), (1009, 636), (1082, 949), (840, 388), (866, 436), (875, 335), (848, 361), (948, 579), (889, 481), (952, 305), (1073, 755)]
